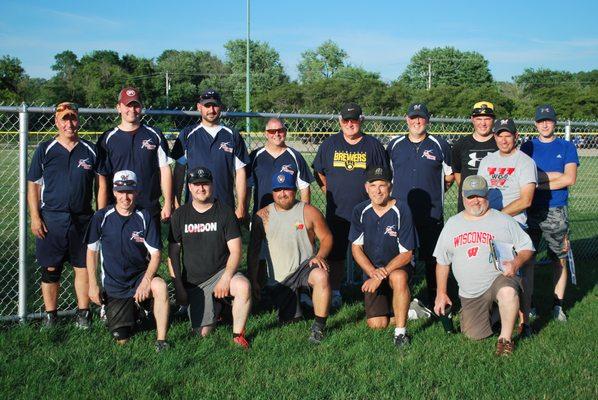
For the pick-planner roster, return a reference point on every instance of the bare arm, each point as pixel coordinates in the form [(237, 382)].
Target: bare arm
[(511, 267), (143, 290), (305, 195), (102, 198), (400, 260), (448, 181), (442, 298), (523, 202), (222, 288), (362, 260), (315, 220), (166, 185), (38, 227), (558, 180), (94, 289), (241, 187), (321, 180), (457, 178)]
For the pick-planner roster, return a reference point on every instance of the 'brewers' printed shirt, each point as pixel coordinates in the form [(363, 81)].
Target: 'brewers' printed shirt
[(126, 243), (66, 177), (220, 149)]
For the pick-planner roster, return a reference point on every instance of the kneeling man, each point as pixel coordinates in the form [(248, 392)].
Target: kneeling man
[(128, 238), (383, 239), (466, 243), (290, 228)]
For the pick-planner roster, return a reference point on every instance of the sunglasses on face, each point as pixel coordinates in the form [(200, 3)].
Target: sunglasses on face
[(275, 131), (67, 106), (124, 183)]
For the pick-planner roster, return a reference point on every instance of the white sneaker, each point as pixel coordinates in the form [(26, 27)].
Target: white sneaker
[(558, 314), (418, 310), (103, 316)]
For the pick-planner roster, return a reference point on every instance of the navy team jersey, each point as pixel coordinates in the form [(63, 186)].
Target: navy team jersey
[(344, 166), (418, 175), (143, 152), (263, 166), (126, 244), (220, 149), (383, 238), (66, 178)]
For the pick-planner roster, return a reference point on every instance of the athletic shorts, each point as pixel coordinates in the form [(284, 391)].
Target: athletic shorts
[(284, 296), (64, 241), (340, 232), (428, 235), (476, 312), (204, 309), (124, 313), (552, 224), (379, 303)]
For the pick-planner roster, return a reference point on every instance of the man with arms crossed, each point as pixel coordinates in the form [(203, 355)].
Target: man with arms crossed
[(127, 237), (465, 245), (383, 239), (60, 190), (208, 232), (512, 178), (290, 228), (557, 162)]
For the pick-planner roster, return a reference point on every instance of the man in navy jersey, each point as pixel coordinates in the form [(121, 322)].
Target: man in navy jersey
[(127, 237), (139, 148), (275, 156), (422, 172), (556, 161), (469, 150), (60, 190), (217, 147), (383, 240), (340, 165)]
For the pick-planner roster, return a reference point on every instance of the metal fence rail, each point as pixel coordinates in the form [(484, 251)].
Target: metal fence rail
[(23, 128)]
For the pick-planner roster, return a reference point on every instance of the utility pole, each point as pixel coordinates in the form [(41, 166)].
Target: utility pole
[(429, 74), (167, 89), (247, 77)]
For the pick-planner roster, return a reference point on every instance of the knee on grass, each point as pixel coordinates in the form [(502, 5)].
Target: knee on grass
[(377, 322)]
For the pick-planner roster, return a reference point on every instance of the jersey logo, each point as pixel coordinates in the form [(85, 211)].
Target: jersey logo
[(225, 146), (84, 163), (148, 144), (390, 231), (299, 226), (472, 252), (198, 228), (137, 236), (499, 176), (559, 156), (474, 159), (287, 168), (428, 154), (349, 161)]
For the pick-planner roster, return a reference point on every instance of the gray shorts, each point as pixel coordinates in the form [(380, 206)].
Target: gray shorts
[(552, 224), (204, 309)]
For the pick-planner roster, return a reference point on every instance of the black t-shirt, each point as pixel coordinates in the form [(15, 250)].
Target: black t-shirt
[(467, 154), (203, 237)]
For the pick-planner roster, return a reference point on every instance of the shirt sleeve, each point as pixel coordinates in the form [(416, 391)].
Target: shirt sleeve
[(356, 232), (163, 151), (152, 241), (571, 155), (443, 251), (241, 156), (407, 236), (231, 229), (104, 165), (318, 165), (529, 174), (456, 157), (304, 175), (93, 233), (380, 155), (447, 157), (36, 170)]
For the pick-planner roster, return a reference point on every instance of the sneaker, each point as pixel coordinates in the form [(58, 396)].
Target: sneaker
[(402, 341), (241, 341), (50, 321), (524, 331), (316, 334), (182, 311), (336, 302), (305, 300), (161, 345), (418, 310), (504, 347), (558, 314), (103, 316), (533, 313), (83, 319)]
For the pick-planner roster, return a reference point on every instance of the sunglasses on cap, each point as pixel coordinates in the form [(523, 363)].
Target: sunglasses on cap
[(67, 106), (124, 183), (199, 175)]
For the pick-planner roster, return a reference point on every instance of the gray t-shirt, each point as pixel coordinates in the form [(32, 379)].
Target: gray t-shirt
[(506, 176), (466, 245)]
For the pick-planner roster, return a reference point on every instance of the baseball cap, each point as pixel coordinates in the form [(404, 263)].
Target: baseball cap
[(124, 180), (128, 95), (66, 108), (283, 180), (501, 125), (475, 185), (377, 173), (418, 110), (210, 96), (545, 111), (351, 111), (483, 108), (199, 175)]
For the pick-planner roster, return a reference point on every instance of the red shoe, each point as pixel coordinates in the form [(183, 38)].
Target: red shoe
[(241, 340)]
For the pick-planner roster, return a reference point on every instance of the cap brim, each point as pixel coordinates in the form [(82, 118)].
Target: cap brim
[(475, 192), (417, 114), (480, 114), (286, 187), (61, 114), (199, 180), (125, 188), (350, 116), (126, 103), (203, 102), (546, 119)]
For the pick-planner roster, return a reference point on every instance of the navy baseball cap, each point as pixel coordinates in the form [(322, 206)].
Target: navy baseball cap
[(210, 96), (545, 111), (418, 110), (199, 175), (124, 180), (501, 125), (351, 111), (378, 173), (283, 180)]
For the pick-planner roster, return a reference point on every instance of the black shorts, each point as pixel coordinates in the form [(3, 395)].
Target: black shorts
[(284, 296), (124, 313), (340, 233), (428, 235), (379, 303), (64, 241)]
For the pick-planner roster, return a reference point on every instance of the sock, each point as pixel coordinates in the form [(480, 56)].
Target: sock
[(320, 322), (82, 309), (557, 302), (400, 331)]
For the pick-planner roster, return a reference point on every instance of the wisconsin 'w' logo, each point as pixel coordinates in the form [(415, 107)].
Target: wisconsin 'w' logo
[(472, 252)]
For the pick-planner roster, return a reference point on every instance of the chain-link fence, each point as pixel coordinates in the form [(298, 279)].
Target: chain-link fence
[(18, 268)]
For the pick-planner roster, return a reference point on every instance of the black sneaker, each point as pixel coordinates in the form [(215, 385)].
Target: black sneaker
[(161, 345), (525, 331), (402, 341), (316, 334), (83, 319), (50, 321)]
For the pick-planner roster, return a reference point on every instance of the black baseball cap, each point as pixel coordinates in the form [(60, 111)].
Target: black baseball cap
[(351, 111), (210, 96), (545, 111), (377, 173), (501, 125), (418, 110), (199, 175)]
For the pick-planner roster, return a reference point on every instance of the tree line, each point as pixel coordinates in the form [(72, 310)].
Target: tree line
[(450, 81)]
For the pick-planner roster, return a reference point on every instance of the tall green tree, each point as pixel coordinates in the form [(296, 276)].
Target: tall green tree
[(322, 62), (12, 77)]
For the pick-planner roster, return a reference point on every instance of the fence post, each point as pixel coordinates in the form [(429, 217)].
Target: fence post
[(23, 137), (568, 131)]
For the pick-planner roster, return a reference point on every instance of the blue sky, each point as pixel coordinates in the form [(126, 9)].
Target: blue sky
[(379, 36)]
